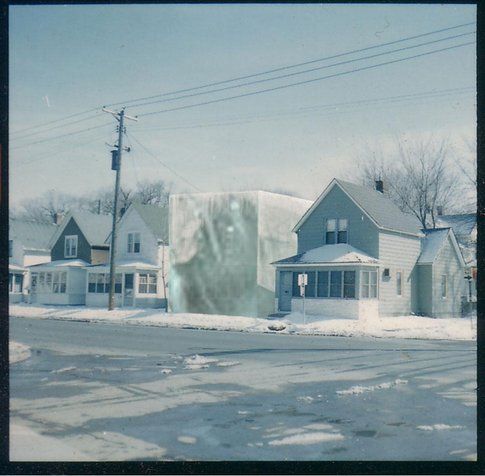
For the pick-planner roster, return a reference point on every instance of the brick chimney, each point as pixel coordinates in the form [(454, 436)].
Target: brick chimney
[(58, 218), (380, 185)]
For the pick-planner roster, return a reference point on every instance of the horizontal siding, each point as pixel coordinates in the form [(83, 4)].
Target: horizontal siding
[(398, 253), (447, 263), (362, 233)]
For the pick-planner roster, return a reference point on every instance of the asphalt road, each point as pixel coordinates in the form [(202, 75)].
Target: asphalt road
[(108, 392)]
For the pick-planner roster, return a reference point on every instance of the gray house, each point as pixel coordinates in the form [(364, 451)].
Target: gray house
[(365, 258), (78, 242)]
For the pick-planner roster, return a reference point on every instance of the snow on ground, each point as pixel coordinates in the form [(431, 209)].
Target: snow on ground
[(405, 327), (358, 389), (17, 352), (439, 427)]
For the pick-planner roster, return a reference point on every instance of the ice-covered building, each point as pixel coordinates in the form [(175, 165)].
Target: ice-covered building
[(364, 258), (222, 246)]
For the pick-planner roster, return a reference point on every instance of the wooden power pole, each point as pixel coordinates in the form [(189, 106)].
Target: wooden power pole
[(116, 165)]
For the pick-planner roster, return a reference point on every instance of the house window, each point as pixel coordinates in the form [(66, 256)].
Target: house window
[(15, 282), (443, 285), (336, 284), (336, 231), (10, 248), (99, 283), (310, 287), (70, 246), (330, 231), (322, 286), (147, 283), (399, 283), (134, 242), (342, 231), (349, 284), (59, 281), (369, 284)]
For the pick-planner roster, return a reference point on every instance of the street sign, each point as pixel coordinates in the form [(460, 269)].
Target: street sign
[(302, 279)]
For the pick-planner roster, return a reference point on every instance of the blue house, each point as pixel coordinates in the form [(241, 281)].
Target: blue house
[(364, 258)]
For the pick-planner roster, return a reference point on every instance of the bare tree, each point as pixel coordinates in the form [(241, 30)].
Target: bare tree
[(46, 207), (418, 176), (152, 193)]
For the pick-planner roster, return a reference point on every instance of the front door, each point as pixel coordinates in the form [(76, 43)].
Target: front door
[(128, 290), (33, 288), (284, 300)]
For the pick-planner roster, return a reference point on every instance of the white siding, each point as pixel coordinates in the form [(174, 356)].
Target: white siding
[(448, 264), (398, 253)]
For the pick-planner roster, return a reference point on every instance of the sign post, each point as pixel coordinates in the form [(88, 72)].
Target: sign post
[(302, 282)]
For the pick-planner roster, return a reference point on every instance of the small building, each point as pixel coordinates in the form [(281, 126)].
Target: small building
[(221, 247), (464, 226), (365, 258), (78, 242), (141, 261), (28, 244)]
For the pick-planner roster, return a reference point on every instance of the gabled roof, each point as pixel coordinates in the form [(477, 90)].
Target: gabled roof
[(95, 228), (32, 235), (156, 218), (377, 206), (61, 263), (434, 241), (462, 224), (330, 254)]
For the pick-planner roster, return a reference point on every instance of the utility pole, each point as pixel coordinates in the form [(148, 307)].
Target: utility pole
[(116, 165)]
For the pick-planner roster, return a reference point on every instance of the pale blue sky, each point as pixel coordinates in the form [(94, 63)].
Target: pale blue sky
[(66, 59)]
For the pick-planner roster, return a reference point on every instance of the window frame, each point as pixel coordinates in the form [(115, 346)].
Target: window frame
[(75, 240), (147, 282), (372, 288), (131, 244), (399, 292), (346, 230), (338, 229), (444, 286)]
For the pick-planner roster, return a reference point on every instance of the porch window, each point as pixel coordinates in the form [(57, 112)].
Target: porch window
[(336, 284), (310, 287), (399, 283), (48, 282), (322, 286), (91, 283), (101, 283), (342, 231), (59, 280), (147, 283), (295, 288), (349, 284), (369, 284), (118, 283), (134, 242), (443, 285), (42, 282), (330, 231), (15, 282), (70, 246)]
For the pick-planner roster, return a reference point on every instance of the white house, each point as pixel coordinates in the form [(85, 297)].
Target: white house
[(141, 261), (78, 242), (28, 244)]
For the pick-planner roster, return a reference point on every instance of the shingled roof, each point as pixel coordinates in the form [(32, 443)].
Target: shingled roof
[(32, 235), (156, 218), (380, 208)]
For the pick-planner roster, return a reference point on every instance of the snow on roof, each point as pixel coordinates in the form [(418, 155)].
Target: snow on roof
[(15, 267), (75, 263), (124, 264), (462, 224), (32, 235), (432, 243), (332, 254), (377, 205), (95, 227)]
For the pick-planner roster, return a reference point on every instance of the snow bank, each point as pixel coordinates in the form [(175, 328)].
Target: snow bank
[(17, 352), (404, 327), (358, 389)]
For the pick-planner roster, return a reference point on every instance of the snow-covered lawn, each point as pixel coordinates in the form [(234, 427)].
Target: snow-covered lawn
[(17, 352), (406, 327)]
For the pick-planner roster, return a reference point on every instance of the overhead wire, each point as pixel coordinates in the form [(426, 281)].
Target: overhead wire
[(283, 68), (297, 73), (308, 81)]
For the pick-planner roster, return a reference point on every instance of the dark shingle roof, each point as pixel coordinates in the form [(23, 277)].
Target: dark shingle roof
[(156, 218), (384, 212), (462, 224), (32, 235), (95, 227)]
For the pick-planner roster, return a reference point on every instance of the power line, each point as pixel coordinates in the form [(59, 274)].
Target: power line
[(317, 109), (165, 165), (284, 86), (54, 121), (95, 116), (249, 83), (282, 68), (60, 136)]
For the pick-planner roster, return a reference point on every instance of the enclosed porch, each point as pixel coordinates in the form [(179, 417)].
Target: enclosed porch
[(136, 285), (16, 277)]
